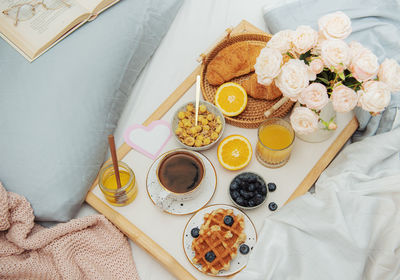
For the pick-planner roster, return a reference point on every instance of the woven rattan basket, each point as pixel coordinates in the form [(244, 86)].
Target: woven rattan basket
[(253, 115)]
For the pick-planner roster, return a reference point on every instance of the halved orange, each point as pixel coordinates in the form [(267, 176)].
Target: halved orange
[(231, 99), (234, 152)]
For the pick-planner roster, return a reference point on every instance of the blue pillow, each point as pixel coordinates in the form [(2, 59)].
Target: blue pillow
[(56, 113)]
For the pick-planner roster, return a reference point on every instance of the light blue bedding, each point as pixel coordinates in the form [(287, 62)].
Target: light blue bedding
[(56, 113)]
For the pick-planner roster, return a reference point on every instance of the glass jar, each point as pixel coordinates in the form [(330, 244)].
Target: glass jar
[(322, 133), (108, 185)]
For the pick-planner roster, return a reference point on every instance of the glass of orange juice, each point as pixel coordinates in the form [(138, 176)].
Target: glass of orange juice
[(108, 184), (275, 141)]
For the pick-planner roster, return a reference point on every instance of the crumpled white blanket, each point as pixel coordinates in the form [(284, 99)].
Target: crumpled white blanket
[(349, 229)]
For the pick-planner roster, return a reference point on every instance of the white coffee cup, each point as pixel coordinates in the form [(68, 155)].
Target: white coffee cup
[(178, 173)]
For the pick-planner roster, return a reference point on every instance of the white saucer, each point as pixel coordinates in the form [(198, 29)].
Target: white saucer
[(176, 206), (240, 261)]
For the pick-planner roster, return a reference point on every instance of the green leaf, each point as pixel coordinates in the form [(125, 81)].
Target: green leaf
[(341, 75), (324, 75), (289, 54), (324, 123), (325, 81), (304, 56), (331, 75)]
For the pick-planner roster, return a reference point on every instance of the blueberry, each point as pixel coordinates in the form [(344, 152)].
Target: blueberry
[(258, 199), (235, 194), (246, 195), (246, 176), (271, 187), (244, 249), (251, 194), (237, 180), (210, 256), (263, 190), (258, 185), (195, 232), (243, 184), (252, 178), (240, 201), (251, 188), (234, 186), (252, 203), (228, 220), (272, 206)]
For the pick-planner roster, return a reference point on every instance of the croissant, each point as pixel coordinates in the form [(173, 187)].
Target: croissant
[(233, 61), (259, 91)]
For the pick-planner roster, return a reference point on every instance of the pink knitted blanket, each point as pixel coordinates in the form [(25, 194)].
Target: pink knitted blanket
[(85, 248)]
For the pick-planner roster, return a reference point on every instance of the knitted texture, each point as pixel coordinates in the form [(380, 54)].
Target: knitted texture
[(85, 248)]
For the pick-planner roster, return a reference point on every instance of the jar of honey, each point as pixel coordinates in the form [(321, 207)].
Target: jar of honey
[(108, 184)]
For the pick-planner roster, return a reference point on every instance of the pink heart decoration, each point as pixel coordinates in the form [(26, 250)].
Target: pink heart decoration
[(149, 140)]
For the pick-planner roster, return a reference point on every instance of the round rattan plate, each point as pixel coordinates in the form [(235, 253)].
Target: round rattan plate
[(253, 115)]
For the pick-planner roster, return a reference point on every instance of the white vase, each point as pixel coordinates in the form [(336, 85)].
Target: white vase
[(322, 133)]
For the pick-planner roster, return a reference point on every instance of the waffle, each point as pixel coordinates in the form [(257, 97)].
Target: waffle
[(216, 236)]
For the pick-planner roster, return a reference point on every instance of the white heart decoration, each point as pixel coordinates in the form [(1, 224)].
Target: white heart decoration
[(149, 140)]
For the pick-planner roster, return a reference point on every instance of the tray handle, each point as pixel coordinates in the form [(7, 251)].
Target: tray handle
[(226, 35)]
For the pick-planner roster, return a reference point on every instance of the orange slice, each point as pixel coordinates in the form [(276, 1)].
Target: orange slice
[(234, 152), (231, 99)]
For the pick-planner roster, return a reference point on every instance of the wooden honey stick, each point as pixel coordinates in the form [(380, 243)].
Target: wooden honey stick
[(114, 158)]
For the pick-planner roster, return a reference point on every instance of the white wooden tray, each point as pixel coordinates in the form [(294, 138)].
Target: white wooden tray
[(160, 233)]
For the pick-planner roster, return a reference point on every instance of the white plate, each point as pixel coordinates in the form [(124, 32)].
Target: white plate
[(177, 206), (237, 263)]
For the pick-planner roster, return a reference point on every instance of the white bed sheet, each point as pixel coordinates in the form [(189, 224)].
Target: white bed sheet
[(196, 27)]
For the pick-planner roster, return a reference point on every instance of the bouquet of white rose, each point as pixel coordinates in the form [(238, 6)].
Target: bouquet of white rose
[(314, 67)]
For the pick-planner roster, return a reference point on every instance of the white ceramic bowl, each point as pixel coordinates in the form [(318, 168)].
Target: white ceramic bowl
[(212, 109), (247, 207)]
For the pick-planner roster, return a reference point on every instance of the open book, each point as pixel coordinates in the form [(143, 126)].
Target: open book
[(33, 36)]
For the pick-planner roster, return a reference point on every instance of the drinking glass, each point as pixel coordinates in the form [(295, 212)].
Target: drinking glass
[(275, 142)]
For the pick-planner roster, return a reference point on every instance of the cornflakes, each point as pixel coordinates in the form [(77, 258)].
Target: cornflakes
[(204, 133)]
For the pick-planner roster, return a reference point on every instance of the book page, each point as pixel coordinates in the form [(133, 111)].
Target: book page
[(96, 6), (43, 27), (90, 5)]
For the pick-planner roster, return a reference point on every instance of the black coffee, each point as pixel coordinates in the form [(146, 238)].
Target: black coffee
[(180, 172)]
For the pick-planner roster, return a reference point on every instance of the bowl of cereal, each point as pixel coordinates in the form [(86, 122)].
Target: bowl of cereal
[(209, 129)]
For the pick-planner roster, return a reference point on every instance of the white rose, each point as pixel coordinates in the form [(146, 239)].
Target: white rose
[(374, 97), (303, 120), (355, 48), (268, 65), (344, 99), (293, 78), (316, 51), (281, 41), (304, 39), (317, 65), (389, 73), (335, 25), (364, 64), (314, 96), (336, 54)]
